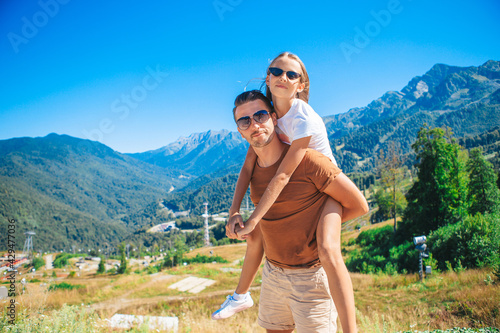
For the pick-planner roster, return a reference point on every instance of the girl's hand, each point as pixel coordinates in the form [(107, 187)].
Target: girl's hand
[(234, 219), (243, 233)]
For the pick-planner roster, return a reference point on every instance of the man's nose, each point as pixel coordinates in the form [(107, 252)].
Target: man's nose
[(255, 124)]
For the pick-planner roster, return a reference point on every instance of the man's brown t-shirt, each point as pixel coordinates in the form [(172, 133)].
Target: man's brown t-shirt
[(289, 227)]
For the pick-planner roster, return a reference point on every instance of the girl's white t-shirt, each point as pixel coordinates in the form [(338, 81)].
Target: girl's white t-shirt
[(302, 121)]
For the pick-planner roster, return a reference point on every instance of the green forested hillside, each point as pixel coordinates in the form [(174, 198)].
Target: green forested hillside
[(71, 191), (58, 226)]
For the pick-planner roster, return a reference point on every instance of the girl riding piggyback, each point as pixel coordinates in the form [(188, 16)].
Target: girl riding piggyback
[(300, 126)]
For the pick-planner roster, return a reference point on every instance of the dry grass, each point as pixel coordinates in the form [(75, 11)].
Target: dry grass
[(194, 315), (95, 290), (231, 252), (442, 301), (384, 303)]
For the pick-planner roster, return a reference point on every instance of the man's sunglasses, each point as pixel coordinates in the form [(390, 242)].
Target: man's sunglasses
[(278, 72), (260, 116)]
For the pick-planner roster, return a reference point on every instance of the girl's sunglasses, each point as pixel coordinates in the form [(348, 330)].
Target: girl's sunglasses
[(278, 71), (260, 116)]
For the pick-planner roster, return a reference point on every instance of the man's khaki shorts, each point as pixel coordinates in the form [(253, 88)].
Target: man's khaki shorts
[(296, 298)]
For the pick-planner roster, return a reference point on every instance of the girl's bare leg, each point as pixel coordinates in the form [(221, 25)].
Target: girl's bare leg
[(330, 255), (253, 258)]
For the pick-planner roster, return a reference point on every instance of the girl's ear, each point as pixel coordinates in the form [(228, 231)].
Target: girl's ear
[(301, 87), (267, 80)]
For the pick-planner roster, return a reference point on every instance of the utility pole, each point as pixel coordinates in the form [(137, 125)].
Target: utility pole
[(205, 215)]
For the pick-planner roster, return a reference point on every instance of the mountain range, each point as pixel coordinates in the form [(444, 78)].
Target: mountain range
[(74, 191), (200, 153), (466, 99)]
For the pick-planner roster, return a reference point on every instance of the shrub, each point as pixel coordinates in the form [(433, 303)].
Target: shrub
[(38, 262), (153, 269), (496, 271), (378, 238), (473, 242), (65, 286), (432, 262), (205, 259), (69, 318), (101, 268), (470, 243), (373, 257), (123, 261), (61, 259), (405, 256)]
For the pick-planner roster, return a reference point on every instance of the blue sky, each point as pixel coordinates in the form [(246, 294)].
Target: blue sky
[(137, 75)]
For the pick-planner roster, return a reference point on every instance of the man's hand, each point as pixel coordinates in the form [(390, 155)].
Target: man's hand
[(234, 220), (243, 233)]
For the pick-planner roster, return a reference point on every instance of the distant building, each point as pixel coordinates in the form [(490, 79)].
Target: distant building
[(184, 213), (163, 227)]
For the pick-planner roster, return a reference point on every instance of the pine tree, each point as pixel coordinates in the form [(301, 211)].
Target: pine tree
[(484, 195), (123, 260), (101, 268), (392, 173), (438, 196)]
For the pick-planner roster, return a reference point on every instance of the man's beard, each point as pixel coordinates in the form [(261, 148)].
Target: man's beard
[(258, 144)]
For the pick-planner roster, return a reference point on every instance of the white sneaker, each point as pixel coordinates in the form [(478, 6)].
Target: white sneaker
[(232, 306)]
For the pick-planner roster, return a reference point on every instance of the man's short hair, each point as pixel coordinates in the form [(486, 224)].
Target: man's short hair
[(250, 96)]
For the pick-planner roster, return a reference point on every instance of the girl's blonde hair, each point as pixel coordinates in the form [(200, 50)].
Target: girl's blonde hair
[(304, 77)]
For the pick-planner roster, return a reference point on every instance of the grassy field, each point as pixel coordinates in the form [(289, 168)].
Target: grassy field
[(384, 303)]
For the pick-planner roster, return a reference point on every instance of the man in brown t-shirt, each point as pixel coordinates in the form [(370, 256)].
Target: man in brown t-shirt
[(295, 291)]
